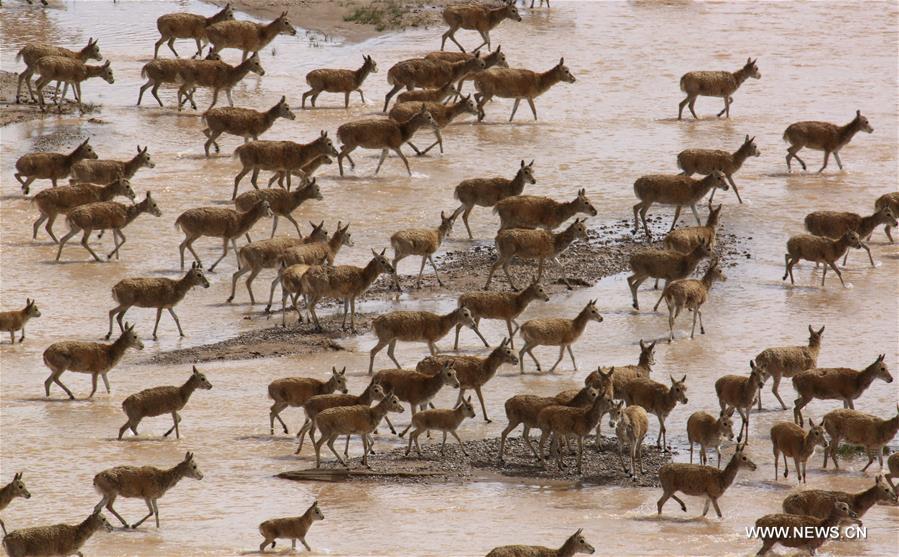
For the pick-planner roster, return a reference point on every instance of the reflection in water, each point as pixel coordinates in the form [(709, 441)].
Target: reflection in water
[(616, 123)]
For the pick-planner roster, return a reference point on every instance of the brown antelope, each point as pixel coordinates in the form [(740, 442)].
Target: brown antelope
[(789, 439), (216, 75), (664, 264), (159, 293), (443, 420), (59, 201), (625, 373), (836, 383), (247, 36), (633, 423), (282, 202), (691, 294), (422, 72), (339, 81), (518, 84), (242, 122), (162, 400), (50, 166), (708, 431), (292, 528), (563, 422), (715, 84), (487, 192), (415, 326), (472, 372), (833, 224), (738, 392), (495, 58), (436, 94), (784, 528), (443, 115), (58, 539), (817, 502), (858, 428), (304, 173), (158, 72), (575, 544), (532, 211), (145, 482), (534, 244), (32, 52), (423, 242), (15, 488), (701, 481), (893, 465), (890, 200), (506, 306), (823, 136), (657, 398), (556, 332), (266, 254), (476, 17), (787, 361), (218, 222), (678, 190), (820, 250), (87, 357), (69, 71), (104, 172), (296, 391), (105, 215), (319, 403), (706, 161), (350, 420), (188, 26), (381, 133), (685, 240), (283, 156), (12, 321)]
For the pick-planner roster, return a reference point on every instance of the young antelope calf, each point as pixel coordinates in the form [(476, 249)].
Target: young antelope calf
[(188, 26), (159, 293), (495, 58), (836, 383), (423, 242), (789, 439), (436, 95), (506, 306), (443, 115), (105, 215), (218, 222), (785, 528), (443, 420), (664, 264), (69, 71), (563, 422), (678, 190), (319, 403), (12, 321), (531, 211), (248, 36), (87, 357), (50, 166), (739, 392), (715, 84), (145, 482), (216, 75), (633, 423), (339, 81), (817, 502), (556, 332), (690, 294), (350, 420), (293, 528), (158, 72), (422, 72), (32, 52), (161, 400), (685, 240), (659, 399), (701, 481), (415, 326), (58, 539), (833, 224), (242, 122), (279, 156), (518, 84), (418, 389), (281, 202), (15, 488), (537, 244), (476, 17), (296, 391), (709, 431), (487, 192), (706, 161), (823, 136), (859, 428), (381, 133), (103, 172)]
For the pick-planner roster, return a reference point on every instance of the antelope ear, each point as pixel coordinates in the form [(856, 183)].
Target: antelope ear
[(85, 141), (324, 133), (642, 345), (522, 163), (653, 345), (196, 371), (747, 138), (283, 98), (284, 13), (383, 251), (499, 48), (684, 378), (858, 113), (749, 60), (343, 371), (531, 163), (106, 65), (442, 216), (579, 530), (811, 423)]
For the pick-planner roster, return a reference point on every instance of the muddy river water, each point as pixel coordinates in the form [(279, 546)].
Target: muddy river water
[(818, 61)]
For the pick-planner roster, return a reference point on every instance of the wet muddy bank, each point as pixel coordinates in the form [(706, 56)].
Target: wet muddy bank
[(12, 112), (600, 467)]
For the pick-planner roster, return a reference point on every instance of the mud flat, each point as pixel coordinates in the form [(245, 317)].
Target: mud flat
[(600, 467)]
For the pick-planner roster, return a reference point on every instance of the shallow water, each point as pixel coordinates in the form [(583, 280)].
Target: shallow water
[(616, 123)]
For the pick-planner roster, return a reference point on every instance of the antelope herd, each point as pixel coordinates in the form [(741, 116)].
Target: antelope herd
[(531, 227)]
